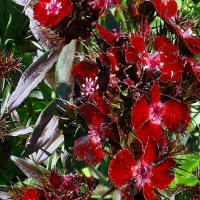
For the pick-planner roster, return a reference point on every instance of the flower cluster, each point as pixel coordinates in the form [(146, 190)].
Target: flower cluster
[(55, 187), (133, 99)]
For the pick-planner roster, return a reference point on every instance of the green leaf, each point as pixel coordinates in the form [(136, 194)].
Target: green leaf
[(63, 69), (45, 127), (29, 168), (188, 163), (31, 77)]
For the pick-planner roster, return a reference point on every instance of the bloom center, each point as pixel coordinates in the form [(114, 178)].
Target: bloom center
[(165, 2), (187, 33), (153, 61), (89, 87), (53, 7), (142, 174), (156, 112)]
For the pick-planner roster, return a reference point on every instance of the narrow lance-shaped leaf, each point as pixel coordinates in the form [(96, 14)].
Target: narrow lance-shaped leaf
[(21, 131), (29, 168), (32, 76), (54, 142), (45, 127), (63, 69)]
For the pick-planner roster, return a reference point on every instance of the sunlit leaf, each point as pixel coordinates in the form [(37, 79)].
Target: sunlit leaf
[(29, 168), (31, 78)]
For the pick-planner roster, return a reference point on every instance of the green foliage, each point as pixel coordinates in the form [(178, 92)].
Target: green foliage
[(188, 164)]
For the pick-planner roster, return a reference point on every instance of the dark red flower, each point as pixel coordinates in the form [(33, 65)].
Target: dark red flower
[(30, 194), (50, 12), (113, 60), (149, 117), (86, 74), (92, 115), (163, 59), (55, 180), (170, 65), (109, 131), (89, 149), (148, 172), (165, 8)]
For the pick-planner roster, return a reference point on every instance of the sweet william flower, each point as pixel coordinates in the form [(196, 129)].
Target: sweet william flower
[(86, 74), (50, 12), (152, 117), (89, 148), (164, 58), (147, 173)]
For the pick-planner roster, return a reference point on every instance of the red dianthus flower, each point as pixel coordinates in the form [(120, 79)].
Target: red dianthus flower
[(151, 117), (50, 12), (148, 172)]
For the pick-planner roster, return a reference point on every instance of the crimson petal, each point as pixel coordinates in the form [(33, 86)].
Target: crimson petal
[(148, 192), (149, 130), (107, 36), (162, 174), (131, 55), (30, 194), (155, 93), (84, 70), (93, 116), (150, 152), (140, 113), (120, 168), (163, 44), (196, 71), (166, 9), (100, 103), (137, 42), (113, 54), (176, 116), (193, 43), (172, 69), (89, 149), (55, 180)]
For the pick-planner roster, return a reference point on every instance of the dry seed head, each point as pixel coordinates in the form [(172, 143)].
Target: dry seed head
[(8, 64)]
